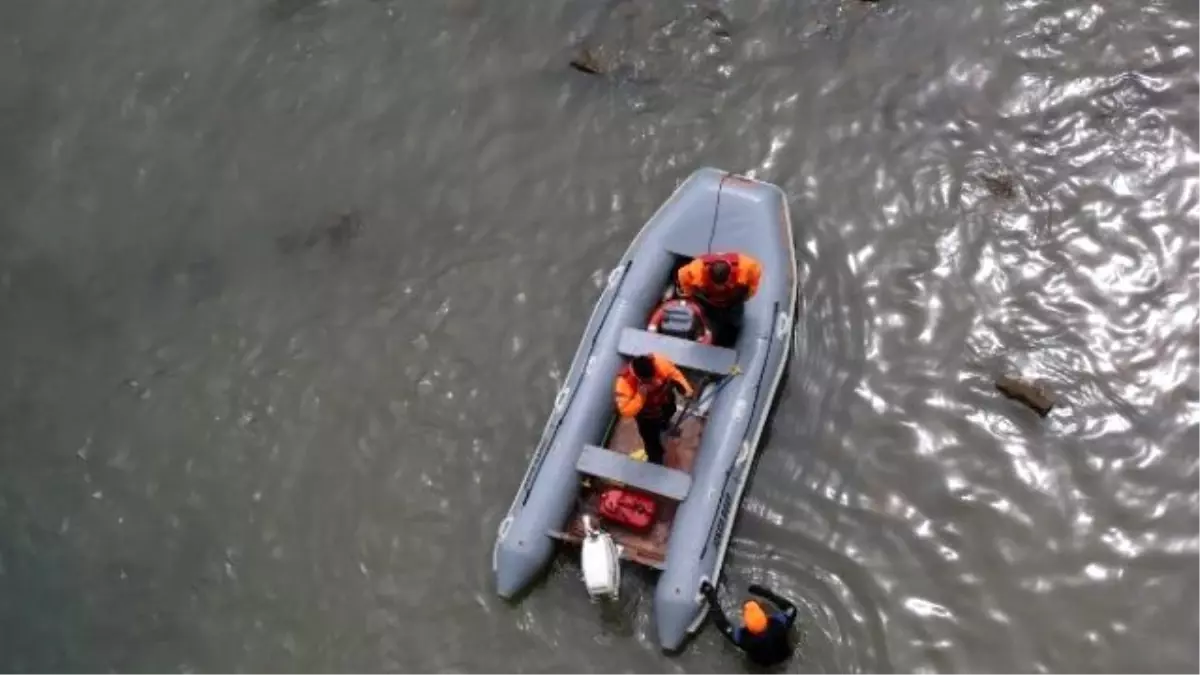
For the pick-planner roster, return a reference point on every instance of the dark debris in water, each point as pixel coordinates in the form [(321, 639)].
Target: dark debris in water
[(285, 10), (336, 234), (465, 8), (587, 61), (718, 23), (1034, 396), (1001, 185), (197, 279), (639, 42)]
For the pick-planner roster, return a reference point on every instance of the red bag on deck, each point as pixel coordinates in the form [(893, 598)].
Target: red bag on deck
[(631, 509)]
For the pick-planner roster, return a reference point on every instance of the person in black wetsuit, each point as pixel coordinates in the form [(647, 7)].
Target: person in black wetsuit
[(764, 636)]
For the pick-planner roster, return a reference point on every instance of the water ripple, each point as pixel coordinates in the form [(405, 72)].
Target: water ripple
[(221, 454)]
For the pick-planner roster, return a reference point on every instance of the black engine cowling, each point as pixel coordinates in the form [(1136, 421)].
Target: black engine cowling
[(679, 322)]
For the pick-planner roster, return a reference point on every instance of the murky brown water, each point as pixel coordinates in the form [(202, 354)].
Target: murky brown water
[(240, 433)]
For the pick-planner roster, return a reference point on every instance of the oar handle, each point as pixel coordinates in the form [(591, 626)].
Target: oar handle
[(694, 401)]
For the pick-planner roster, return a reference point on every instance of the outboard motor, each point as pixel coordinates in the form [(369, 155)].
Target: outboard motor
[(681, 318), (679, 322), (601, 562)]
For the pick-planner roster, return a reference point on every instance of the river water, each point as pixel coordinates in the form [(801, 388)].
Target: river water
[(286, 287)]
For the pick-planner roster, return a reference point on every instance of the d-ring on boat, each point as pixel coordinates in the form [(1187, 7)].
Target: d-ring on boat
[(585, 446)]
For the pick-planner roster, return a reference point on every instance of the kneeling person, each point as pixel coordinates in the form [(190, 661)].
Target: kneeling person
[(722, 282), (644, 391)]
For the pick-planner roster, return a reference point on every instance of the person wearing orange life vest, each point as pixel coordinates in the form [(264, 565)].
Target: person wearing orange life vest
[(722, 282), (644, 390), (764, 636)]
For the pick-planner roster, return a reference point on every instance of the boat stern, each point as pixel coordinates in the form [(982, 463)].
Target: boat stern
[(676, 610), (517, 559)]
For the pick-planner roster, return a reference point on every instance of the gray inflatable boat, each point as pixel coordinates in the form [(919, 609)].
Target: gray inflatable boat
[(585, 445)]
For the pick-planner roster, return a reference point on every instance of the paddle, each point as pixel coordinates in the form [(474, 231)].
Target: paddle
[(673, 431)]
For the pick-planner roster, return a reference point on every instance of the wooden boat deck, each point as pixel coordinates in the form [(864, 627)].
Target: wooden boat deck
[(650, 546)]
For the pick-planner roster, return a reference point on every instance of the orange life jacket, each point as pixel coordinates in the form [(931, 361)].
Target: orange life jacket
[(658, 391), (633, 398)]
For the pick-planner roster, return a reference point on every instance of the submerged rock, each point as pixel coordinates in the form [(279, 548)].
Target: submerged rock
[(718, 23), (1000, 185), (336, 234), (286, 10), (1034, 396), (194, 280), (588, 62), (647, 43), (346, 229)]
